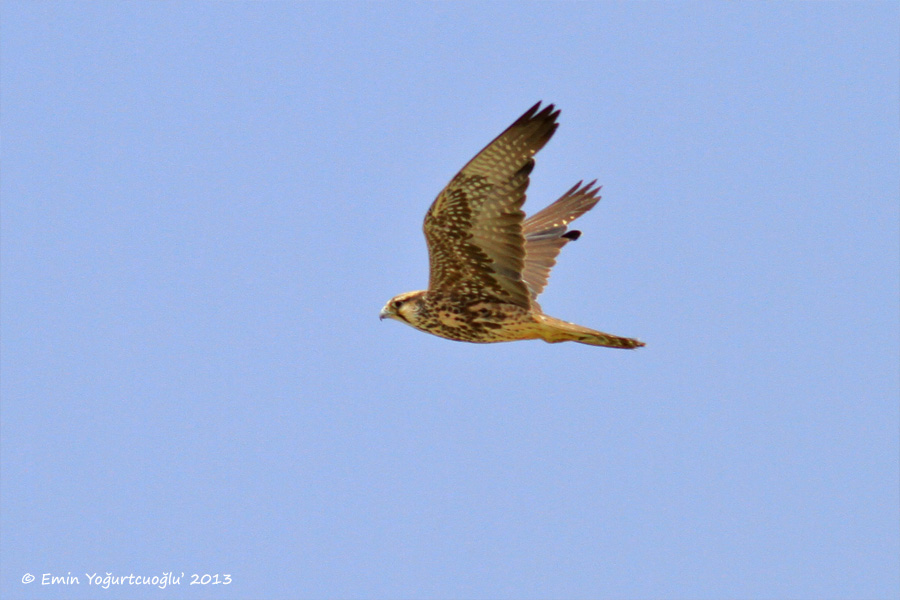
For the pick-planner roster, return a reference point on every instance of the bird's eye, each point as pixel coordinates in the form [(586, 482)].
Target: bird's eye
[(396, 303)]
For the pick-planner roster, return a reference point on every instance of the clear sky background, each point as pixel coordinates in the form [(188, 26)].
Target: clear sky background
[(205, 205)]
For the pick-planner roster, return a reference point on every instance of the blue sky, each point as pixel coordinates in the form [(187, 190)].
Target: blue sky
[(205, 205)]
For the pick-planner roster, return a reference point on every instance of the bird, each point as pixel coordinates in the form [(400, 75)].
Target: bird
[(488, 263)]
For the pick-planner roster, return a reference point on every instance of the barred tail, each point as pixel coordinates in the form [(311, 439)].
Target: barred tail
[(556, 330)]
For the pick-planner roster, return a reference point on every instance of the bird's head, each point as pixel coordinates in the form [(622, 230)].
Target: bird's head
[(406, 308)]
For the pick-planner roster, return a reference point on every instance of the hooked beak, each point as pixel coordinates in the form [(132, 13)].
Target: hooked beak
[(385, 314)]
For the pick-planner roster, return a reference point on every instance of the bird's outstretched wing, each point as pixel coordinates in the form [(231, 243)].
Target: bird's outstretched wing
[(546, 233), (474, 228)]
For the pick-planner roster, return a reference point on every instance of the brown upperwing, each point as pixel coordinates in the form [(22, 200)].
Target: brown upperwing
[(474, 227)]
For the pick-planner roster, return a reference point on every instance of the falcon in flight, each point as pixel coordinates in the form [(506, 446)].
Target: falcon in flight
[(488, 262)]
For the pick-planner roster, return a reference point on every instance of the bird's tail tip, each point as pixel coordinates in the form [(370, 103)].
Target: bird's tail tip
[(557, 330)]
